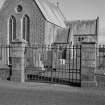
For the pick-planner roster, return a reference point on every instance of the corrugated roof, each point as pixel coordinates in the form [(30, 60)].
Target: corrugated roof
[(51, 13)]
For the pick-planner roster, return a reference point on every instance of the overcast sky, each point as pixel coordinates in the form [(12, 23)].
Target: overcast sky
[(85, 9)]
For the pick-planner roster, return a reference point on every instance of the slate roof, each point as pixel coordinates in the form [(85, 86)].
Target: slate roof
[(51, 12), (62, 36), (83, 27)]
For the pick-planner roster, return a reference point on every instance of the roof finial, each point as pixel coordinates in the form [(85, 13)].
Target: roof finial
[(57, 3)]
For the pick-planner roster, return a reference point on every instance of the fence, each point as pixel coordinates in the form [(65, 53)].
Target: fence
[(101, 57), (58, 63), (55, 64)]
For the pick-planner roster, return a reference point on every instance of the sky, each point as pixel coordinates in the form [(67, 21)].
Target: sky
[(85, 9)]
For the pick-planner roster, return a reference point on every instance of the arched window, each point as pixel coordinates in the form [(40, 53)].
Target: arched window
[(26, 28), (12, 28)]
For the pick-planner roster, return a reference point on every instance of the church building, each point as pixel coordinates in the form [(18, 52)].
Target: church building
[(26, 23)]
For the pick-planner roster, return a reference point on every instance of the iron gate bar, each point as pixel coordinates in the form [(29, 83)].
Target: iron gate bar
[(76, 62), (80, 62), (69, 63), (73, 63), (67, 73)]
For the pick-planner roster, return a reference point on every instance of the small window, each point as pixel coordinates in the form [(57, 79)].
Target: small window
[(26, 28), (12, 28), (79, 39), (82, 38), (19, 8)]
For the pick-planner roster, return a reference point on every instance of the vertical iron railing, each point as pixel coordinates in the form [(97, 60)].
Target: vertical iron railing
[(53, 68), (101, 57), (59, 68), (80, 63), (54, 64)]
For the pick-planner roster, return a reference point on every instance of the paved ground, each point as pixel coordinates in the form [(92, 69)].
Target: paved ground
[(48, 94)]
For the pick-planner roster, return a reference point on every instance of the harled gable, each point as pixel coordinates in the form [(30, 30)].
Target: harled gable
[(50, 11)]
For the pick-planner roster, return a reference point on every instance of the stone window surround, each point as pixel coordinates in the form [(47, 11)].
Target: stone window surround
[(25, 25), (12, 37), (8, 31), (12, 28)]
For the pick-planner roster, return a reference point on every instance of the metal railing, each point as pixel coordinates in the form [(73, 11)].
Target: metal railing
[(101, 57), (59, 63)]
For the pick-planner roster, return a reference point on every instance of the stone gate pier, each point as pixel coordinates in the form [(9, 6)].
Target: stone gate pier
[(17, 50), (88, 64)]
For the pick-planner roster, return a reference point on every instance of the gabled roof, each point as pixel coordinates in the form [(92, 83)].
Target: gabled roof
[(51, 12)]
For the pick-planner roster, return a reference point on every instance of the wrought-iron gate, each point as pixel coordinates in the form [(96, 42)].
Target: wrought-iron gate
[(60, 64)]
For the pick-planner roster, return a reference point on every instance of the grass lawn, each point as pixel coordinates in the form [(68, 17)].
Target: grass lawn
[(45, 94)]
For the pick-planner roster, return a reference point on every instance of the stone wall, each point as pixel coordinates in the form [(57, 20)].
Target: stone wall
[(4, 72), (88, 62), (37, 31)]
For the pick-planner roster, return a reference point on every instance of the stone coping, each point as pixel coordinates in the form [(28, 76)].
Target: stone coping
[(3, 66), (100, 72)]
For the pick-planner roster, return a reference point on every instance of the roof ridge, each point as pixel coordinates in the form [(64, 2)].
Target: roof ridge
[(51, 12)]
